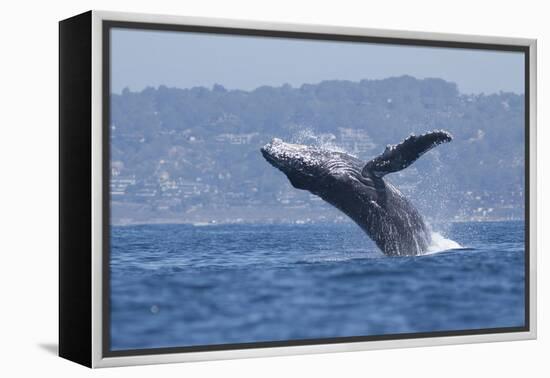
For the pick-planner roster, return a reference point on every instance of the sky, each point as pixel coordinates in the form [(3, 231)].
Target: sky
[(142, 58)]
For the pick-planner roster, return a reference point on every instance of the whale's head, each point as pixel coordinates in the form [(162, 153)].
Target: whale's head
[(311, 167)]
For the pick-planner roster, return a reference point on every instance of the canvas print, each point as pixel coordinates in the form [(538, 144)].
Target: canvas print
[(269, 189)]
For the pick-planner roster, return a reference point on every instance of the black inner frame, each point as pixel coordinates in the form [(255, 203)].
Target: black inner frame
[(107, 25)]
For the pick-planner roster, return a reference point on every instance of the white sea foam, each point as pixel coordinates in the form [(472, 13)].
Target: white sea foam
[(202, 224), (440, 244)]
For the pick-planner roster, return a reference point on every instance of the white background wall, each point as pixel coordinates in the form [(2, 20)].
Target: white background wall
[(28, 148)]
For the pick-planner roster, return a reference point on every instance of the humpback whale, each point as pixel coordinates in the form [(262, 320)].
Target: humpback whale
[(358, 188)]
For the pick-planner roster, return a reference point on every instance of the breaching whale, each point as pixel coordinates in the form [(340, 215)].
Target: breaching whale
[(359, 190)]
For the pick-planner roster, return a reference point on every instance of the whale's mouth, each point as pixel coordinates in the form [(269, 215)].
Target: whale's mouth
[(268, 152), (300, 164), (282, 155), (296, 158), (269, 157)]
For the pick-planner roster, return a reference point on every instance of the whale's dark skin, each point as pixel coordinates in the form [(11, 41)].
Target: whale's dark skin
[(359, 190)]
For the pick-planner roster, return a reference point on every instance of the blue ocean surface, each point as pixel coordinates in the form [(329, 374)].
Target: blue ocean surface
[(185, 285)]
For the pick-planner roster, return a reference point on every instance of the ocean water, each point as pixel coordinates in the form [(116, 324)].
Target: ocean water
[(184, 285)]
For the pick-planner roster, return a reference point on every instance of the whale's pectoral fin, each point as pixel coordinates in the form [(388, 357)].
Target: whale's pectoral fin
[(400, 156)]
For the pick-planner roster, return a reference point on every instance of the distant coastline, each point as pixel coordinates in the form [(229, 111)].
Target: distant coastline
[(193, 154)]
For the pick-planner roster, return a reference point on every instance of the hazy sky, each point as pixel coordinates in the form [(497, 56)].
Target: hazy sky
[(180, 59)]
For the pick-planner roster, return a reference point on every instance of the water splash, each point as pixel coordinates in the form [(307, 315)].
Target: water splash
[(441, 244), (325, 141)]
